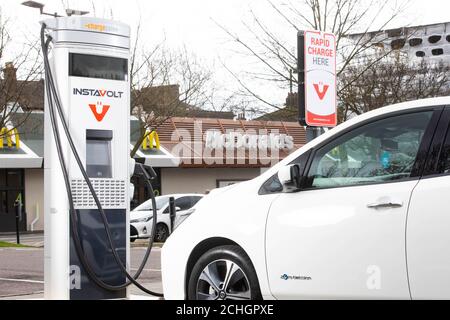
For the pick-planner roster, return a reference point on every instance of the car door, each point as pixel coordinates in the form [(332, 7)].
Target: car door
[(428, 229), (343, 234)]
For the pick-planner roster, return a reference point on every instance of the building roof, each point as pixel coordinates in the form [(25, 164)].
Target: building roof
[(31, 130), (190, 133), (286, 114), (30, 151), (30, 94)]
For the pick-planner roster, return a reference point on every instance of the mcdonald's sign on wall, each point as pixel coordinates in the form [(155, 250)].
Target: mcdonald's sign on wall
[(10, 135), (151, 141)]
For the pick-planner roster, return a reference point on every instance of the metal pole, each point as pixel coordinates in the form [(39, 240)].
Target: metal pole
[(18, 206), (301, 77), (311, 132), (172, 211)]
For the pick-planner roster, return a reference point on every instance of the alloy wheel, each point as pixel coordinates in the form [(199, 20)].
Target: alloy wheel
[(161, 233), (223, 280)]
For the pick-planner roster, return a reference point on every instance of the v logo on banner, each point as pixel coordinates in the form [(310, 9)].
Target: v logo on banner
[(323, 92)]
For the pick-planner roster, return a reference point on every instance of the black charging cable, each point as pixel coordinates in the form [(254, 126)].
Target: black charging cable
[(53, 99)]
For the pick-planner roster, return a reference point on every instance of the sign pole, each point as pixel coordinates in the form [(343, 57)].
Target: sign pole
[(301, 78), (18, 207), (310, 131)]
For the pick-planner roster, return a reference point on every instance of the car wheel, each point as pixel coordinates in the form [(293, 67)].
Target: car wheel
[(224, 273), (162, 232)]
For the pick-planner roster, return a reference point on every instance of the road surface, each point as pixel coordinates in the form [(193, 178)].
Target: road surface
[(22, 271)]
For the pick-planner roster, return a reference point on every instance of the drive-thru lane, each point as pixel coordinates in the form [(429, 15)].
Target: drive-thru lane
[(22, 271)]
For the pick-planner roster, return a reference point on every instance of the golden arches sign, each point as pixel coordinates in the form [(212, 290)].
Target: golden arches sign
[(151, 140), (9, 134)]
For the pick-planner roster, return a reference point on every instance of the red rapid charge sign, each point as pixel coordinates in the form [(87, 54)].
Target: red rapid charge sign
[(320, 79)]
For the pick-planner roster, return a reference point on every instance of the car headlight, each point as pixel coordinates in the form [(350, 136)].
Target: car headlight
[(147, 219)]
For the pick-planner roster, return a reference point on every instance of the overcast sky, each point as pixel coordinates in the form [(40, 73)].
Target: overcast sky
[(192, 22)]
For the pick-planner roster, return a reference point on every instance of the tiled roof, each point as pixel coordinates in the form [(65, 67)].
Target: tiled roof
[(166, 129), (172, 132), (31, 94)]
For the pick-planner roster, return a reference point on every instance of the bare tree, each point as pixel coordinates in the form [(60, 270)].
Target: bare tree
[(392, 79), (19, 72), (165, 83), (277, 57)]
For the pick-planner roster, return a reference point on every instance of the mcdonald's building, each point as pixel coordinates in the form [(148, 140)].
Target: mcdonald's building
[(190, 155)]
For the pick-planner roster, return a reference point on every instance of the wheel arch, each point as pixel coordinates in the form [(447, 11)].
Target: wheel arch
[(202, 248), (163, 223)]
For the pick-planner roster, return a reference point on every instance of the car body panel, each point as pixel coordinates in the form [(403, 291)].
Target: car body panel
[(428, 239), (312, 242), (245, 225)]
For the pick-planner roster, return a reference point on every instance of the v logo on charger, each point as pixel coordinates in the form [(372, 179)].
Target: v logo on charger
[(104, 110)]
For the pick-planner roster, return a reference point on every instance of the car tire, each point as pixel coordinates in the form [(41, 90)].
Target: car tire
[(162, 232), (133, 239), (224, 261)]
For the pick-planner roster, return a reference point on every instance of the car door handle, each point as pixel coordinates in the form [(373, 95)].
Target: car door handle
[(385, 204)]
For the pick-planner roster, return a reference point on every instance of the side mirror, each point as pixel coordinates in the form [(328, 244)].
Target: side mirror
[(167, 211), (290, 177)]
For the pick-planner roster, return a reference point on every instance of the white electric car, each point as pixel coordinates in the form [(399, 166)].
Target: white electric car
[(141, 218), (361, 212)]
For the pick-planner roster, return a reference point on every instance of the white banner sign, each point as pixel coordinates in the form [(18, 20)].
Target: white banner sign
[(320, 79)]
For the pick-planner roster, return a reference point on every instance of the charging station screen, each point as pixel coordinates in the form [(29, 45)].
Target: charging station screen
[(98, 158), (99, 67)]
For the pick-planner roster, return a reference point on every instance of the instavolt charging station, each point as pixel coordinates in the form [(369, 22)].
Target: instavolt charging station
[(87, 159)]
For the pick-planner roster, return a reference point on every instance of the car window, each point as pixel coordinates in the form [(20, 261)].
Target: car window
[(272, 185), (184, 203), (147, 205), (384, 150), (194, 200), (444, 160)]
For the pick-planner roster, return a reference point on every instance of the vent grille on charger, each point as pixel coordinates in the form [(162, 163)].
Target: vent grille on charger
[(111, 193)]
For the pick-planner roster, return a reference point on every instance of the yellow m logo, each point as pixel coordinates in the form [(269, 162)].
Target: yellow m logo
[(151, 140), (9, 134)]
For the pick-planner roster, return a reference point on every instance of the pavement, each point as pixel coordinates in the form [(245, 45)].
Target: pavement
[(35, 239), (22, 269)]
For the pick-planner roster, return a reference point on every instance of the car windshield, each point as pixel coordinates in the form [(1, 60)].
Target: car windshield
[(147, 205)]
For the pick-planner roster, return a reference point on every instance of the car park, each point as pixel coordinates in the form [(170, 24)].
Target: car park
[(359, 213), (141, 217)]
